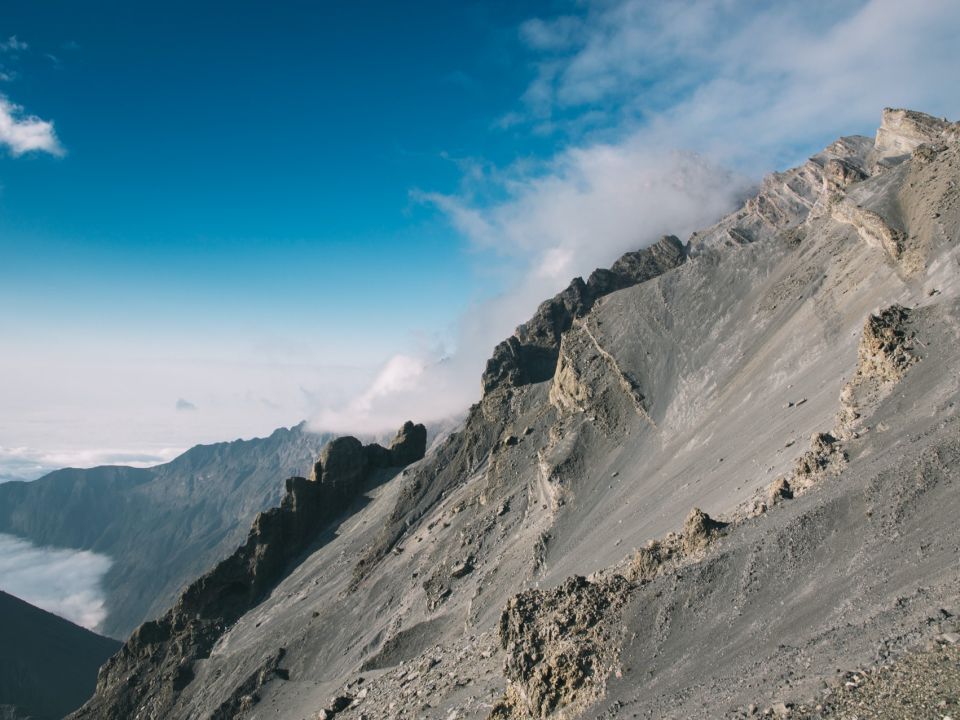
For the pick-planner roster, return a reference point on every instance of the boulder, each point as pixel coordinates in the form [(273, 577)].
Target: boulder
[(343, 462), (409, 445)]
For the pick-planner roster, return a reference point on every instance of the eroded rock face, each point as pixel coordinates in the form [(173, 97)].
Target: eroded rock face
[(825, 457), (409, 445), (884, 356), (145, 677), (247, 693), (699, 531), (885, 351), (787, 199), (557, 643), (531, 354), (902, 131), (343, 462), (871, 227)]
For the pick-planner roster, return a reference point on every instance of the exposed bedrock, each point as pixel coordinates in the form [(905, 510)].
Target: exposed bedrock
[(530, 355)]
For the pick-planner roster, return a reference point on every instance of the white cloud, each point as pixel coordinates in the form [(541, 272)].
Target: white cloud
[(64, 582), (26, 133), (24, 463), (740, 81)]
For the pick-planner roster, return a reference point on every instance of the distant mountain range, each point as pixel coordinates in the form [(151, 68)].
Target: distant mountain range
[(48, 665), (161, 526)]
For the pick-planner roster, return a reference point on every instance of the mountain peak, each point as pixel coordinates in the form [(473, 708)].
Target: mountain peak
[(901, 131)]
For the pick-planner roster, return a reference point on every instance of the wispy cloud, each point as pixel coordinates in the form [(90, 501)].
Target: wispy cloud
[(26, 133), (655, 100), (185, 405), (64, 582), (11, 49), (12, 45), (724, 76)]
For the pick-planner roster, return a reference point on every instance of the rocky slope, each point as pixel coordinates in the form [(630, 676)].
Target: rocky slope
[(48, 666), (162, 526), (693, 488), (158, 659)]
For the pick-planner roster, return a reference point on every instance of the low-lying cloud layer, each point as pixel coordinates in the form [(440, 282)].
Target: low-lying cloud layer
[(666, 106), (64, 582), (23, 463)]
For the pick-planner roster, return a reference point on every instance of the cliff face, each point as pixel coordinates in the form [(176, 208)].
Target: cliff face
[(702, 480)]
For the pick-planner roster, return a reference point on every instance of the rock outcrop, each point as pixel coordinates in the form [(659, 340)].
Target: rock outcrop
[(145, 678), (558, 646), (409, 445), (871, 227), (527, 357), (903, 131), (787, 199), (885, 353), (530, 355)]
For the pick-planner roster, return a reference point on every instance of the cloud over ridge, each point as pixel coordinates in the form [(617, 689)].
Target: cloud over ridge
[(666, 107)]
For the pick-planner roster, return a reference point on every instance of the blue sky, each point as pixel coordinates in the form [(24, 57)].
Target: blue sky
[(288, 210), (228, 160)]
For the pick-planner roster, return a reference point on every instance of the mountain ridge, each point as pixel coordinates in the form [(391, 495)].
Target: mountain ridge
[(771, 425)]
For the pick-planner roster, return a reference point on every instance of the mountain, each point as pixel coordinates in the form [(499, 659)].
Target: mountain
[(697, 485), (161, 526), (48, 665)]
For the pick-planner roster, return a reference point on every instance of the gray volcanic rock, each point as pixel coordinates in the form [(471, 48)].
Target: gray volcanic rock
[(409, 445), (48, 665), (730, 480), (343, 462)]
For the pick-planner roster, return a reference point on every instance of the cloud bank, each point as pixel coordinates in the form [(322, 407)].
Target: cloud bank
[(664, 107), (64, 582), (24, 463)]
